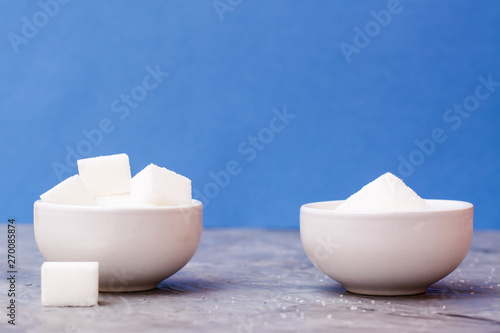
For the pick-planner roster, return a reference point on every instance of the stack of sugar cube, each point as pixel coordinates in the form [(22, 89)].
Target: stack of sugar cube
[(107, 181), (104, 181)]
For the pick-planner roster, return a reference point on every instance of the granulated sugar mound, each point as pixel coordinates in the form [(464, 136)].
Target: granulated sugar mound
[(386, 193)]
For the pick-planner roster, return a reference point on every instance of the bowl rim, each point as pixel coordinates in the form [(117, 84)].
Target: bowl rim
[(39, 203), (456, 205)]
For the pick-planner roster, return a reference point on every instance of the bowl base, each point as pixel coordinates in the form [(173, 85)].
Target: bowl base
[(386, 292), (127, 289)]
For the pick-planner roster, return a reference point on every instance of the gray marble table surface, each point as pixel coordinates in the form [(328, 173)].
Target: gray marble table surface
[(248, 280)]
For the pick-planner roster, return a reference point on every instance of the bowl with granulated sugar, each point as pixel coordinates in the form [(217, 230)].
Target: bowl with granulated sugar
[(385, 239)]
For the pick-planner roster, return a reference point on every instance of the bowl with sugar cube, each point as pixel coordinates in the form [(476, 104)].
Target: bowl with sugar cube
[(385, 240), (140, 230)]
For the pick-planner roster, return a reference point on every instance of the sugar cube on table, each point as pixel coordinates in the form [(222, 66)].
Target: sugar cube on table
[(161, 187), (106, 175), (70, 283), (71, 191)]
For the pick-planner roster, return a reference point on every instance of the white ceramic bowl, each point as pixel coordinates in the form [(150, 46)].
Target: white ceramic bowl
[(387, 253), (136, 247)]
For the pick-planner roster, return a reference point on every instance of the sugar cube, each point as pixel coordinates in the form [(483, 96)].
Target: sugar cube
[(71, 191), (386, 193), (70, 283), (106, 175), (119, 200), (161, 187)]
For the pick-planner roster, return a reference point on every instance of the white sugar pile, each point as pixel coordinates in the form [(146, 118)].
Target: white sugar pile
[(386, 193)]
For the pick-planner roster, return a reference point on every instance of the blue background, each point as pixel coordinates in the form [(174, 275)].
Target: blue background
[(354, 120)]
